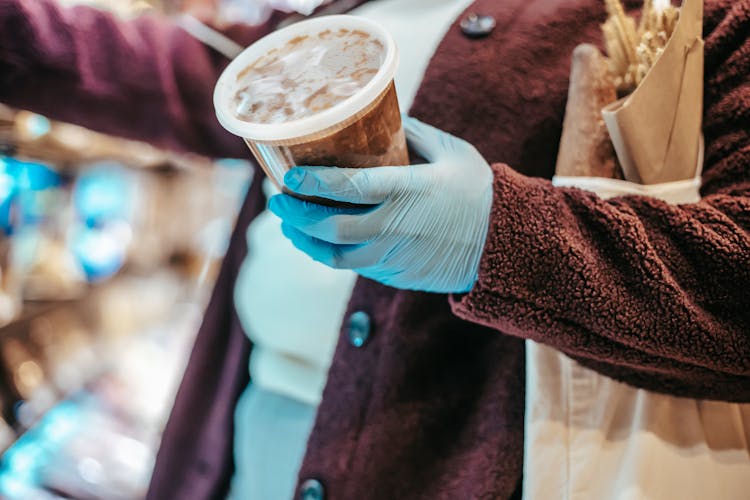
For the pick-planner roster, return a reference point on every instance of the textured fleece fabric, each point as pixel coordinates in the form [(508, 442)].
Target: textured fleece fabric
[(647, 293), (432, 406)]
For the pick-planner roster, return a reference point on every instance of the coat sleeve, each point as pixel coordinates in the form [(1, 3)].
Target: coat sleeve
[(143, 79), (645, 292)]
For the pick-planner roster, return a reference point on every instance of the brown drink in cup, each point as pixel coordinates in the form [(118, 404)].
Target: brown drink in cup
[(319, 92)]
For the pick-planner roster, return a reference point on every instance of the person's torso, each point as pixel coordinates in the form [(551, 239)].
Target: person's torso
[(430, 406)]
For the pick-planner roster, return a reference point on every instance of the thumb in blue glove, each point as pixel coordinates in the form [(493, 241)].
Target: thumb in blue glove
[(423, 226)]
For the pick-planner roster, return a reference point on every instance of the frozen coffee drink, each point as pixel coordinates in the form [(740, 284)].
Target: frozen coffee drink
[(319, 92)]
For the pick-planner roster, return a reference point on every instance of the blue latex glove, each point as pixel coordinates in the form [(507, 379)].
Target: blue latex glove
[(424, 227)]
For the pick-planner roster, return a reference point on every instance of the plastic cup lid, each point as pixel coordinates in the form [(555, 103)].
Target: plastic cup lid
[(227, 86)]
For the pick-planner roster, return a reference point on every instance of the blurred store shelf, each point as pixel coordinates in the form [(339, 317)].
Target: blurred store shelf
[(32, 136), (108, 251)]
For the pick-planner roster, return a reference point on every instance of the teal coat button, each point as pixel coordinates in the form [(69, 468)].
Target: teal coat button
[(311, 489), (359, 328)]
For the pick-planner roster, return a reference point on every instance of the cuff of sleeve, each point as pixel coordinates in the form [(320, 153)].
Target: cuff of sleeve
[(522, 253)]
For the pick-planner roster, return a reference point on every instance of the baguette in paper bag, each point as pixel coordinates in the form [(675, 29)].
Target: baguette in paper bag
[(585, 148)]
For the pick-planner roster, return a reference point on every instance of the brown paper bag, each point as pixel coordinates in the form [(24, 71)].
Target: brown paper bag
[(656, 130)]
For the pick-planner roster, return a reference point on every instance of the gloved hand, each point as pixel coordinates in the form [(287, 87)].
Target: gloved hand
[(424, 227)]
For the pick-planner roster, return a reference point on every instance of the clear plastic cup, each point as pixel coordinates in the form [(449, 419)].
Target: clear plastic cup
[(364, 130)]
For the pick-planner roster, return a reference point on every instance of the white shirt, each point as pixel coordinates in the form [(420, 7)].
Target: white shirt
[(290, 306)]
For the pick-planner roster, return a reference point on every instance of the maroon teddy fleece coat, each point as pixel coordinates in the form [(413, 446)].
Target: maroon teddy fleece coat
[(432, 406)]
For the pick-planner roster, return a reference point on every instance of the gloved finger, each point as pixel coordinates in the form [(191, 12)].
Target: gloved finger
[(342, 225), (423, 139), (364, 186), (330, 254), (429, 142)]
